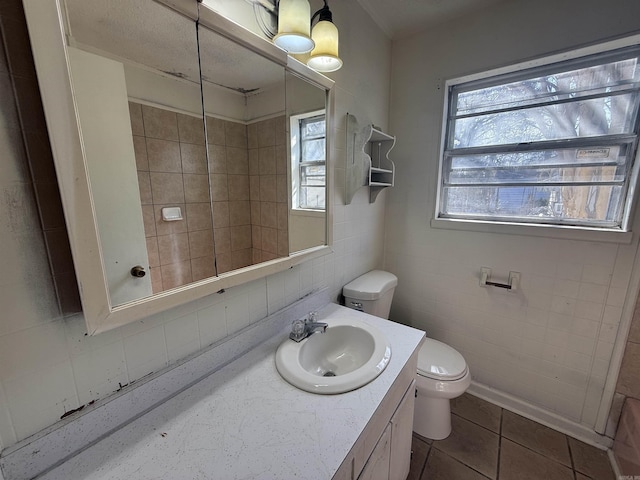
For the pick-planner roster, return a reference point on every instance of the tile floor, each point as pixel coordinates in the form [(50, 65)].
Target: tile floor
[(490, 442)]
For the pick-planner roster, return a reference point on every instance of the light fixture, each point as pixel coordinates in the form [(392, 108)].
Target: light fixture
[(294, 26), (320, 49), (324, 56)]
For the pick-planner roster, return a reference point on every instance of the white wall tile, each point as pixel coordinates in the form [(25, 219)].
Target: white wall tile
[(80, 343), (275, 292), (598, 274), (566, 288), (33, 399), (30, 350), (238, 313), (7, 433), (589, 310), (258, 302), (146, 352), (569, 271), (593, 293), (99, 372), (182, 337), (616, 296), (212, 324)]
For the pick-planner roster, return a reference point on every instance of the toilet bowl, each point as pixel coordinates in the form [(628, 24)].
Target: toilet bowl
[(442, 373)]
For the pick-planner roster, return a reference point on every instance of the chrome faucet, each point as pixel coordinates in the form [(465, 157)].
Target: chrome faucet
[(304, 327)]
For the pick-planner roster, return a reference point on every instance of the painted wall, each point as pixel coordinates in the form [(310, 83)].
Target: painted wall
[(550, 343), (47, 364)]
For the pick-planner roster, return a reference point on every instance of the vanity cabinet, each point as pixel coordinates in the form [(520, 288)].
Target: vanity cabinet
[(383, 450)]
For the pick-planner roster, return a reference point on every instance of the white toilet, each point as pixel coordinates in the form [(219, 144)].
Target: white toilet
[(442, 372)]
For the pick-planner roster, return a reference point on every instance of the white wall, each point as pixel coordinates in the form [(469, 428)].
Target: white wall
[(47, 364), (549, 344)]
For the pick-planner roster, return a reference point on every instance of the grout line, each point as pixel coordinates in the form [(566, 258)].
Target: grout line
[(426, 460), (573, 465), (499, 443), (461, 462)]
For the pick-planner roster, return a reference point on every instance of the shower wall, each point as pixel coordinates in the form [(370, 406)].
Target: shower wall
[(237, 202)]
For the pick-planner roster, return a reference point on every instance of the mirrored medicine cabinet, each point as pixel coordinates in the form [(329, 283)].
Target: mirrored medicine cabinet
[(191, 154)]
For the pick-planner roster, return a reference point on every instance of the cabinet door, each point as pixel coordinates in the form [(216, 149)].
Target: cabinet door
[(377, 467), (401, 435)]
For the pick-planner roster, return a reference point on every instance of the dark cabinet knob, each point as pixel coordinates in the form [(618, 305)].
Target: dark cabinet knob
[(138, 271)]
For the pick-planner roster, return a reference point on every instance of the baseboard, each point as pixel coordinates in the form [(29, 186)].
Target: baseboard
[(540, 415)]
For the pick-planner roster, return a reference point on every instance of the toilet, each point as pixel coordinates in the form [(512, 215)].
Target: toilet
[(442, 373)]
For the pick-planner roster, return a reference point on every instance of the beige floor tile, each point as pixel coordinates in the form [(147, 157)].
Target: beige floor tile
[(419, 452), (590, 461), (580, 476), (520, 463), (477, 411), (539, 438), (441, 466), (472, 445)]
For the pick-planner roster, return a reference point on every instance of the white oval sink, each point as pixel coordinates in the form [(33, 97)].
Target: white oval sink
[(347, 356)]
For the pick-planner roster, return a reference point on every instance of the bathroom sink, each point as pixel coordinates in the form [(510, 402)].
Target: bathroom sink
[(348, 355)]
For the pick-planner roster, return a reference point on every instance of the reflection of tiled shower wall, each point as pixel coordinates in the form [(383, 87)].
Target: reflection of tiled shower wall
[(172, 172), (229, 169), (268, 189), (249, 191), (248, 175)]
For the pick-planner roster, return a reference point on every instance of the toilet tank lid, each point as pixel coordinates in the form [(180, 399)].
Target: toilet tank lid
[(370, 286), (440, 361)]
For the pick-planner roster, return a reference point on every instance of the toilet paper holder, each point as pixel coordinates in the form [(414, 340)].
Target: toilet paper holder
[(514, 280)]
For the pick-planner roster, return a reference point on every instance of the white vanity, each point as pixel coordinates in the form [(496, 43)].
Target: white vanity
[(245, 421)]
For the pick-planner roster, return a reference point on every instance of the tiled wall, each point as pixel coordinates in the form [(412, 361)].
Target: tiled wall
[(244, 209), (550, 343), (48, 365), (172, 172), (629, 378), (269, 189)]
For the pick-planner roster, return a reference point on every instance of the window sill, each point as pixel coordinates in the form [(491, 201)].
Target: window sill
[(301, 212), (547, 231)]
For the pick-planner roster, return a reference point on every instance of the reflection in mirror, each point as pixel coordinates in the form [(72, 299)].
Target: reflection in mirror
[(244, 101), (138, 98), (307, 135)]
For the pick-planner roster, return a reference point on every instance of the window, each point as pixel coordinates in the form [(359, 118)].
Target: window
[(554, 144), (308, 154)]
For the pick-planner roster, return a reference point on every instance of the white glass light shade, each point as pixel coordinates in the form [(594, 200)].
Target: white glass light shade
[(324, 57), (294, 23)]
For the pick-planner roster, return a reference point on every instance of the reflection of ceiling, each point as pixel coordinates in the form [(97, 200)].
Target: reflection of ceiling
[(228, 64), (147, 33), (403, 17)]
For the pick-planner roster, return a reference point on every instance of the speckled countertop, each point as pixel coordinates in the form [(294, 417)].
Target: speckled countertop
[(245, 422)]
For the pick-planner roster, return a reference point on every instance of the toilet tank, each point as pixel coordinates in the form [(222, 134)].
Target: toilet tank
[(371, 293)]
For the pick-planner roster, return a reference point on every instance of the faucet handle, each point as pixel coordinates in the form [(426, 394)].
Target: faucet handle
[(297, 327), (312, 316)]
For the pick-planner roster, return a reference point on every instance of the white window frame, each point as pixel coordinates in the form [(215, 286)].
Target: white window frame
[(622, 235), (294, 128)]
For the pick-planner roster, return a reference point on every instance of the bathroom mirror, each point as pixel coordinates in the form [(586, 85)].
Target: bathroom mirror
[(140, 135)]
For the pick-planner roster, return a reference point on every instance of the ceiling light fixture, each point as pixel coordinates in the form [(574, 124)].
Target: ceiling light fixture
[(294, 36), (324, 56), (294, 26)]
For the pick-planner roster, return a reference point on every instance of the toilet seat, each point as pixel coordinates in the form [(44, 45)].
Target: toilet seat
[(439, 361)]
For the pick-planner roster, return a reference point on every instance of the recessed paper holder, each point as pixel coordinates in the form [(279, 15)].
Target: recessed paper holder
[(514, 280)]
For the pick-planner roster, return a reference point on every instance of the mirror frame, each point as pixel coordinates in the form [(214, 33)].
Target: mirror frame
[(48, 41)]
